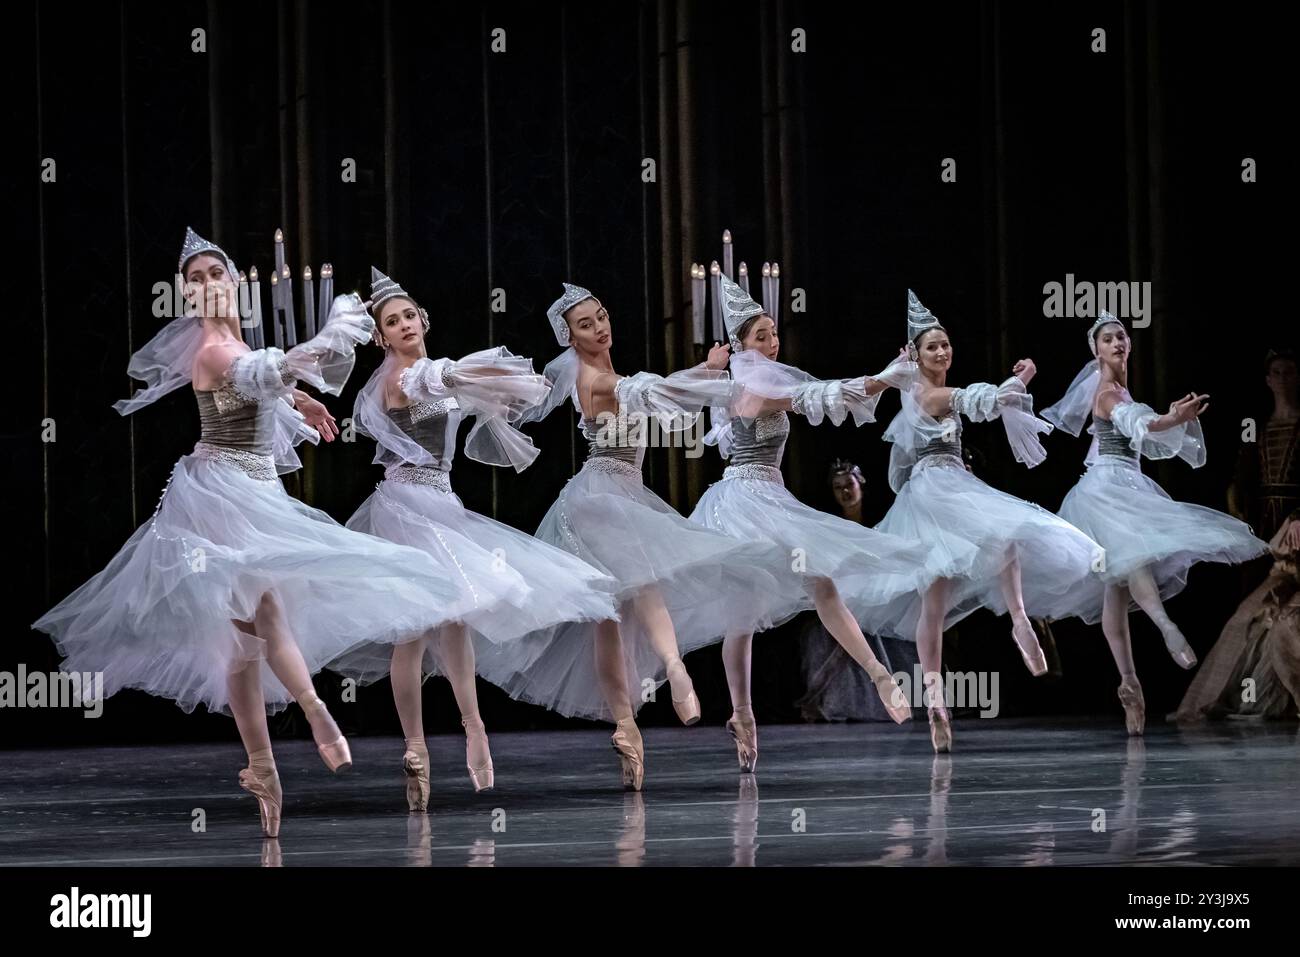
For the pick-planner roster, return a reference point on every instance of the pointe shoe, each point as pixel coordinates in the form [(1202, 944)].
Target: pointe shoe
[(891, 695), (417, 781), (745, 734), (631, 753), (1178, 647), (336, 755), (688, 706), (269, 798), (940, 730), (1030, 650), (1135, 708), (482, 778)]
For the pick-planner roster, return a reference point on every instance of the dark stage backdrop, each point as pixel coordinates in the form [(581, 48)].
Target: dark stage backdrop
[(479, 170)]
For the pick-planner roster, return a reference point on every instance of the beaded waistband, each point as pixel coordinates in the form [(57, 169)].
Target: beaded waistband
[(1115, 458), (419, 475), (612, 466), (260, 467), (939, 459), (752, 470)]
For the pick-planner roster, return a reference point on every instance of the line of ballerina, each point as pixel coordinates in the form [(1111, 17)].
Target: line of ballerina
[(616, 586)]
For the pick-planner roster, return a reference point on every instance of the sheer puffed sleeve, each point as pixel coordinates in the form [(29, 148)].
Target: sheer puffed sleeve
[(324, 361), (675, 400), (815, 399), (1012, 403), (1185, 441), (495, 387)]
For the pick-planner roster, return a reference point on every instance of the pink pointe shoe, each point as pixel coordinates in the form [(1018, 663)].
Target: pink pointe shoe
[(940, 730), (1135, 708), (687, 706), (631, 753), (416, 768), (336, 754), (266, 788), (744, 731), (891, 695), (483, 778), (1030, 650), (1178, 647)]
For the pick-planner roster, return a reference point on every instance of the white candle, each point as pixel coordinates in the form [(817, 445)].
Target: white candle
[(275, 311), (744, 277), (286, 299), (308, 305), (259, 340), (715, 287), (767, 287), (697, 303), (775, 312), (727, 251), (326, 293)]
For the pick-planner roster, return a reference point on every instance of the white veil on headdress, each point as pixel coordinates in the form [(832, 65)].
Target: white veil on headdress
[(165, 362), (562, 371)]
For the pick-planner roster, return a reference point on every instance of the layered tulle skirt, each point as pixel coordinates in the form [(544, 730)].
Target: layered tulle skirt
[(870, 568), (1140, 526), (974, 532), (710, 584), (507, 584), (160, 616)]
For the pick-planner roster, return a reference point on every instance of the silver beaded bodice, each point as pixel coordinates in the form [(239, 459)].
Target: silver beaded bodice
[(759, 441), (614, 439), (432, 426), (1110, 441), (230, 419), (946, 444)]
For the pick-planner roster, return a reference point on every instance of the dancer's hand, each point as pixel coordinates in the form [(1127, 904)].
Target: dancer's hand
[(1024, 370), (718, 358), (317, 416), (1188, 407)]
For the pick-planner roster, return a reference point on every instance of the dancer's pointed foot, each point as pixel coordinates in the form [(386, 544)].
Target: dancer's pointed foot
[(940, 730), (631, 753), (1178, 647), (685, 703), (415, 765), (744, 731), (891, 695), (477, 756), (1030, 650), (334, 751), (265, 786), (1135, 708)]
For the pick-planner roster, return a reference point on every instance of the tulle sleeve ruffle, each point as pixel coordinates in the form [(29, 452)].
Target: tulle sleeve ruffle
[(1012, 403), (1185, 441), (675, 400), (495, 387), (816, 399)]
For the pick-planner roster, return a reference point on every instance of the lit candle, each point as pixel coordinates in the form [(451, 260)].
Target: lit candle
[(245, 312), (308, 305), (259, 339), (697, 303), (775, 312), (767, 287), (744, 277), (727, 255), (275, 311), (276, 292), (286, 300), (715, 287), (326, 293)]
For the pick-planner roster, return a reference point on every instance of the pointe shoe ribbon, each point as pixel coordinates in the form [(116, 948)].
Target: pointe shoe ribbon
[(631, 755), (745, 734), (336, 754), (269, 798), (688, 707), (483, 778)]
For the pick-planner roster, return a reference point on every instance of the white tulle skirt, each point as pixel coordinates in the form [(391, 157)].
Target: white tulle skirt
[(509, 586), (974, 531), (870, 568), (1139, 525), (711, 585), (159, 617)]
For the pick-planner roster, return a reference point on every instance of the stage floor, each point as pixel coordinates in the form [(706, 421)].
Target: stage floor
[(1014, 792)]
